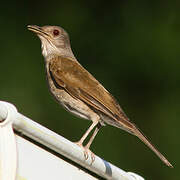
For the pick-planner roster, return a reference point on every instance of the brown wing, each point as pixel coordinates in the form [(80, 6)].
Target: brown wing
[(82, 85)]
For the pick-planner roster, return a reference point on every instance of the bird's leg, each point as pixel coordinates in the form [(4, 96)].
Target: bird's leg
[(90, 142), (80, 142), (93, 136)]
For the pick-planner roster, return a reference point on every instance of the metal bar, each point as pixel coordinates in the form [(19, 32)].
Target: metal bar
[(8, 152), (70, 150), (3, 112)]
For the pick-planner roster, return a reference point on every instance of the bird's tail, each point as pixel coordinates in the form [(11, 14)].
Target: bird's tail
[(143, 138)]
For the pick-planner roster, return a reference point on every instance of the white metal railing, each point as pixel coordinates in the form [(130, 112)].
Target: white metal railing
[(9, 117), (8, 152)]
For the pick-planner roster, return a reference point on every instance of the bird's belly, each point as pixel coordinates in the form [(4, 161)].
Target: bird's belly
[(71, 104)]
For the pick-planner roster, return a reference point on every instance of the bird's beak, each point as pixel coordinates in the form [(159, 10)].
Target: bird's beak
[(38, 30)]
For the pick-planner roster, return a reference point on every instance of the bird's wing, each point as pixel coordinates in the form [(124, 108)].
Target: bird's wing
[(80, 84)]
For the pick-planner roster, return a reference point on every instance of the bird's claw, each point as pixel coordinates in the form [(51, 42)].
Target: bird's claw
[(86, 152), (86, 155), (92, 157)]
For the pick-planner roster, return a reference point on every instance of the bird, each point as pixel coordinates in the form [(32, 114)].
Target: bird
[(79, 92)]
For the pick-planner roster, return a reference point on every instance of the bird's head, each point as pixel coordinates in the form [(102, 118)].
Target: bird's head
[(54, 40)]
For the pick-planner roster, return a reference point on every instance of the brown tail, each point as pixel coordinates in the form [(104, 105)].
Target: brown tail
[(148, 143)]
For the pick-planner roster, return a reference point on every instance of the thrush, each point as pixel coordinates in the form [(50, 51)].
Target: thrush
[(78, 91)]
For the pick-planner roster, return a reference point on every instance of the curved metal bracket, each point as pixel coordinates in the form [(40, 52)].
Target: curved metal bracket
[(8, 152)]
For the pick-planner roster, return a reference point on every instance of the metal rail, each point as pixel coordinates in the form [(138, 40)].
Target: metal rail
[(63, 146)]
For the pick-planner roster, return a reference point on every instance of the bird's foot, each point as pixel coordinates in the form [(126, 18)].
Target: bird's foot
[(87, 151)]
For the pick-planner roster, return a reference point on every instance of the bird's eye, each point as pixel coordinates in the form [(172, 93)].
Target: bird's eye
[(56, 32)]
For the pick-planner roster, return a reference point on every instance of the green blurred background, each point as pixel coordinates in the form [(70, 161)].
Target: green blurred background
[(131, 47)]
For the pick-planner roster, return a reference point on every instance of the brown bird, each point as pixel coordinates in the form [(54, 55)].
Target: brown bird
[(78, 91)]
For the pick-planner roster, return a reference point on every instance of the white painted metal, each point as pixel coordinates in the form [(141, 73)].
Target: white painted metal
[(36, 163), (3, 112), (66, 148), (8, 155)]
